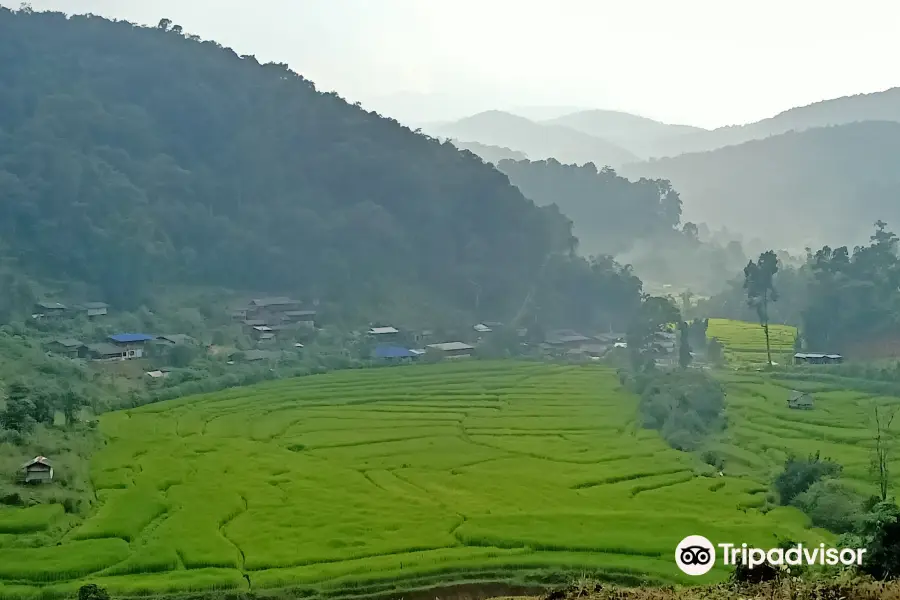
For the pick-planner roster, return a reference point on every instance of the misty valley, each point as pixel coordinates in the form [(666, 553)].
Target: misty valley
[(259, 340)]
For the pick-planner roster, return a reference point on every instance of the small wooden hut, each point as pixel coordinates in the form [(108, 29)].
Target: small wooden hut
[(37, 470)]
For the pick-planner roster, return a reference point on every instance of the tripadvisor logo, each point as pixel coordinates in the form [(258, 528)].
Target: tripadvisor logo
[(696, 555)]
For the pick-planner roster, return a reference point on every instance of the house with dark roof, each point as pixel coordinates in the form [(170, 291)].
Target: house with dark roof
[(450, 349), (37, 470), (176, 339), (800, 400), (816, 358), (132, 343), (66, 347), (566, 339), (282, 302), (262, 333), (94, 309), (105, 352), (50, 309), (301, 317), (272, 308)]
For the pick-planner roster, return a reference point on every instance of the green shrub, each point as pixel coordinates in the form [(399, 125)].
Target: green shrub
[(830, 506), (800, 474), (684, 406)]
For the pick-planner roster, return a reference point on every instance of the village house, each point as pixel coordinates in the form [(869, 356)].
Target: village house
[(272, 308), (813, 358), (262, 333), (249, 324), (176, 339), (384, 334), (665, 341), (565, 340), (67, 347), (393, 353), (610, 338), (37, 470), (105, 352), (94, 309), (800, 400), (49, 309), (132, 344), (594, 351), (450, 349), (158, 374), (304, 318), (420, 338)]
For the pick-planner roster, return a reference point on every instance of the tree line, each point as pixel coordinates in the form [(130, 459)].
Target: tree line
[(843, 300)]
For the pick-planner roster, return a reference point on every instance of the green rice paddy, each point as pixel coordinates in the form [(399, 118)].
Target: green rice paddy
[(745, 343), (357, 480)]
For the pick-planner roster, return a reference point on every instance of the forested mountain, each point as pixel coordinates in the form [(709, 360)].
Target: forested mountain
[(608, 211), (137, 156), (793, 190), (491, 154), (640, 135), (878, 106), (639, 221), (536, 140)]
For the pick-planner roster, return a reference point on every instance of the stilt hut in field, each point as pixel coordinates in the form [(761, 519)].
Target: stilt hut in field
[(800, 400), (37, 470)]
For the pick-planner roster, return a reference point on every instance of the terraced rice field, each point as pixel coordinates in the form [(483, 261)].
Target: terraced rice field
[(762, 430), (360, 479), (745, 342)]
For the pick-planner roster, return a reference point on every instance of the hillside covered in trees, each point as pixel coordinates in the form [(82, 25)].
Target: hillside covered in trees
[(131, 157), (877, 106), (845, 176), (608, 211), (639, 221)]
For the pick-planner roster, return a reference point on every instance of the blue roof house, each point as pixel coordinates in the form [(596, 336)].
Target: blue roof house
[(391, 352), (133, 343)]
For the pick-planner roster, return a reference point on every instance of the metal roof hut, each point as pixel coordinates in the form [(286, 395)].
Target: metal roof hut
[(801, 400), (37, 470)]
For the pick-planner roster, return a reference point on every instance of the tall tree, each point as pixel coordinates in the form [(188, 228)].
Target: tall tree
[(883, 418), (684, 345), (18, 414), (759, 284), (653, 316)]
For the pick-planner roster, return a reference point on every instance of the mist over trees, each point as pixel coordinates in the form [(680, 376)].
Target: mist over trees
[(793, 190), (637, 221), (843, 300), (608, 211)]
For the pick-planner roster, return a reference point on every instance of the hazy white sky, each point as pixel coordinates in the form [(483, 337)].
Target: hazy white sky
[(699, 62)]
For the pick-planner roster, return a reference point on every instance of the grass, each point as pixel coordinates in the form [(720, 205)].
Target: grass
[(762, 431), (33, 518), (745, 342), (432, 472)]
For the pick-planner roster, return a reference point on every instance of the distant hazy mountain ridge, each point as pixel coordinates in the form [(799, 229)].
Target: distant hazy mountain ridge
[(642, 136), (795, 189), (536, 140)]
